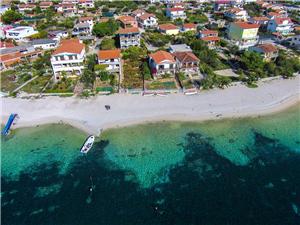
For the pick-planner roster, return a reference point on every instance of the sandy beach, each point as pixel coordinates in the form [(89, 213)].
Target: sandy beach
[(91, 116)]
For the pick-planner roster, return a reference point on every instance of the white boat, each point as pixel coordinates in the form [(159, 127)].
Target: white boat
[(88, 144)]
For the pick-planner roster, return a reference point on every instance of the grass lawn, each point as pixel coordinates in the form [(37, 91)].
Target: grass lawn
[(156, 85), (187, 84), (106, 89), (132, 75), (8, 81), (66, 86), (36, 85)]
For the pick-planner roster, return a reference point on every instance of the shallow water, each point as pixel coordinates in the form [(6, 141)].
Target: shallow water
[(242, 171)]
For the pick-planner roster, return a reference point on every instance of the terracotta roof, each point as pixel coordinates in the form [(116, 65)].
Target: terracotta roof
[(245, 25), (267, 48), (109, 54), (85, 18), (210, 39), (178, 5), (46, 3), (274, 14), (297, 28), (167, 26), (6, 44), (235, 10), (260, 18), (185, 57), (146, 16), (69, 46), (128, 30), (71, 5), (189, 26), (161, 56), (125, 19), (11, 56), (207, 32), (277, 34), (26, 6), (103, 20), (175, 9), (281, 20), (138, 11)]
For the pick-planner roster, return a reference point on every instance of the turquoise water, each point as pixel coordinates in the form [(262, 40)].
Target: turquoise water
[(241, 171)]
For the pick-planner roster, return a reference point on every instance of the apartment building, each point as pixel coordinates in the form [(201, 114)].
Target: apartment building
[(68, 58)]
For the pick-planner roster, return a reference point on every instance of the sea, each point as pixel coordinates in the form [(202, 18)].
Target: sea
[(224, 172)]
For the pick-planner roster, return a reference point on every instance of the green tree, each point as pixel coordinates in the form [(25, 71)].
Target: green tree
[(287, 65), (198, 17), (134, 54), (42, 61), (178, 22), (146, 71), (88, 77), (253, 62), (10, 16), (91, 62), (157, 39), (104, 75), (39, 35), (112, 80), (107, 44), (105, 28), (206, 55), (67, 23), (37, 9)]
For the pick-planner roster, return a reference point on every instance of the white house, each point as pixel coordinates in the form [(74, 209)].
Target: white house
[(110, 58), (243, 35), (45, 5), (87, 19), (20, 33), (138, 13), (175, 13), (57, 35), (283, 26), (295, 41), (162, 62), (236, 14), (261, 20), (86, 3), (179, 48), (68, 58), (129, 37), (147, 20), (188, 27), (267, 51), (44, 44), (168, 28), (26, 7), (68, 9), (82, 29), (3, 9)]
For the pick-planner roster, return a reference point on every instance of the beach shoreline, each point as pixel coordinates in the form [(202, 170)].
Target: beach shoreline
[(90, 115)]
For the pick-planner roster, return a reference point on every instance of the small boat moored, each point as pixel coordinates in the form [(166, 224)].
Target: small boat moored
[(88, 144)]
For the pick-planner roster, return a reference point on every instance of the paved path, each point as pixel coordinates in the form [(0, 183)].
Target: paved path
[(27, 82)]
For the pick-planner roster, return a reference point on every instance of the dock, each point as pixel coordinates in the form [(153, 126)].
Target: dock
[(8, 124)]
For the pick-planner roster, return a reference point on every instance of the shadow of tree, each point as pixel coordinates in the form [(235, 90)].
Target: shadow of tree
[(205, 188)]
